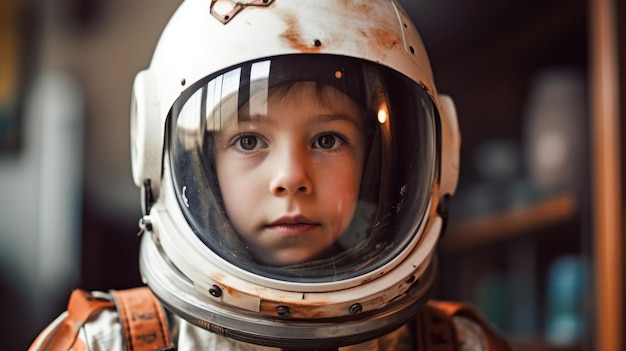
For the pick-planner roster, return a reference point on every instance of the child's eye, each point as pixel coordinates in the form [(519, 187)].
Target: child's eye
[(328, 142), (249, 142)]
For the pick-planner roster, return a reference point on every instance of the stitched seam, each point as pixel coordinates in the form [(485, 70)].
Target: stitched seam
[(126, 323), (160, 320)]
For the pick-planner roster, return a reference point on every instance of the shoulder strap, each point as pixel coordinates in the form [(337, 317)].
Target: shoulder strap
[(81, 306), (451, 309), (142, 317), (143, 320), (434, 330)]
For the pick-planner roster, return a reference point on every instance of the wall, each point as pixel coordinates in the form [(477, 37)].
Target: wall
[(67, 202)]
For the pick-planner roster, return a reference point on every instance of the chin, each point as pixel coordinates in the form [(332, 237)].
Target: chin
[(291, 257)]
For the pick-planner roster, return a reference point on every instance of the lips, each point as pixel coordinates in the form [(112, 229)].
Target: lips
[(292, 225)]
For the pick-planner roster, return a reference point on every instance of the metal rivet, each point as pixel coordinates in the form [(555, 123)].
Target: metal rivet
[(356, 308), (215, 291), (145, 224), (317, 43), (282, 311)]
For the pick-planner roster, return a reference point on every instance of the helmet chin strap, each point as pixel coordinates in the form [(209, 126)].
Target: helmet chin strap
[(179, 295)]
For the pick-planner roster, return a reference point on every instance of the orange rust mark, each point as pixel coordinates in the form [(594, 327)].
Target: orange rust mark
[(312, 310), (383, 38), (363, 7), (231, 291), (356, 7), (217, 277), (294, 37)]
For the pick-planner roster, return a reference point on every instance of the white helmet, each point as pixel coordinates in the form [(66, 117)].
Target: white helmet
[(233, 89)]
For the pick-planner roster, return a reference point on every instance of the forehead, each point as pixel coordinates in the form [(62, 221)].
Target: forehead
[(305, 96), (313, 90)]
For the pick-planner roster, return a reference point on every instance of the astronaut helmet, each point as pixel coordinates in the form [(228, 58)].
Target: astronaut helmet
[(293, 159)]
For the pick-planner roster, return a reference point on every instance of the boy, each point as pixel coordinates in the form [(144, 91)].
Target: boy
[(294, 157), (289, 175)]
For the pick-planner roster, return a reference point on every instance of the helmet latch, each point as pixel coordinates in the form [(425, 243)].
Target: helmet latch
[(225, 10)]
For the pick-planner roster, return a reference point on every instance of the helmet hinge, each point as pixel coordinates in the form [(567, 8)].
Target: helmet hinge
[(225, 10), (146, 197)]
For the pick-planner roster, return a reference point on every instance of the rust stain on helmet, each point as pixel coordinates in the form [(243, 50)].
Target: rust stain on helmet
[(294, 37), (375, 32), (383, 38), (377, 37), (317, 309)]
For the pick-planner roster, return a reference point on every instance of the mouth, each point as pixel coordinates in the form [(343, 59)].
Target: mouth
[(292, 225)]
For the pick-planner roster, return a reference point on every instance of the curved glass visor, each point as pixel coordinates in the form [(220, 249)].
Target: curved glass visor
[(306, 168)]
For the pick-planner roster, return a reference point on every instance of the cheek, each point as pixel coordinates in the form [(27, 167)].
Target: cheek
[(229, 192), (341, 189), (237, 202), (233, 190)]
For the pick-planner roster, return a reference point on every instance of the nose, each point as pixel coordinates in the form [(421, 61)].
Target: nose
[(290, 173)]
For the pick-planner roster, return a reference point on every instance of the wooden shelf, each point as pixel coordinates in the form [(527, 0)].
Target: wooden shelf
[(508, 224)]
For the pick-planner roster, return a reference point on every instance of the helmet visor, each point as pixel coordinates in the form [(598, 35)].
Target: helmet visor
[(304, 168)]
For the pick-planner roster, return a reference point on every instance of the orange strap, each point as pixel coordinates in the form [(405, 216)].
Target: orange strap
[(450, 309), (143, 320), (435, 331), (81, 306)]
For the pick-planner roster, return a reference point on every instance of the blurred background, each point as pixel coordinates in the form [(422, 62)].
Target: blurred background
[(526, 234)]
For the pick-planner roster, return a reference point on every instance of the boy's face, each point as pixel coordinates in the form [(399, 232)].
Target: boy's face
[(290, 170)]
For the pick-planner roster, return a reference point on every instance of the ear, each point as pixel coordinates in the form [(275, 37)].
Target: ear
[(450, 146), (146, 132)]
